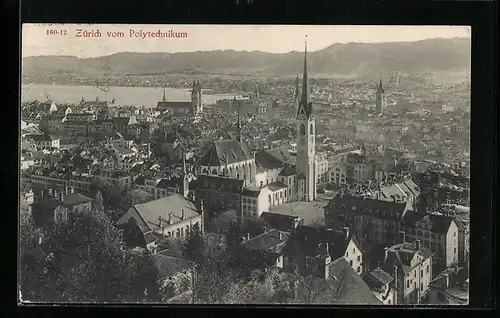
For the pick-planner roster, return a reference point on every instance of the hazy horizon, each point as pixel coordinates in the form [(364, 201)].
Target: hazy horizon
[(277, 39)]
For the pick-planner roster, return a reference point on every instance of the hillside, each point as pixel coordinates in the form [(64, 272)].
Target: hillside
[(353, 59)]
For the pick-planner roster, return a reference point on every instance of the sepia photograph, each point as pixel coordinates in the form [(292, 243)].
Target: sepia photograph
[(244, 164)]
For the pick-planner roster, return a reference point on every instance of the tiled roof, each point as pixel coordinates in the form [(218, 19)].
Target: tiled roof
[(288, 171), (251, 192), (358, 205), (266, 241), (440, 223), (377, 278), (274, 158), (223, 184), (344, 287), (226, 151), (402, 254), (279, 221), (152, 211), (311, 241), (275, 186), (168, 266), (75, 199)]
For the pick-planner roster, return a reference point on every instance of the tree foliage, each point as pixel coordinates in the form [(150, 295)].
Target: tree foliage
[(83, 260)]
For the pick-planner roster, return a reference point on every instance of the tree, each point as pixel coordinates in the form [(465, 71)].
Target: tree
[(99, 202), (263, 287), (83, 260)]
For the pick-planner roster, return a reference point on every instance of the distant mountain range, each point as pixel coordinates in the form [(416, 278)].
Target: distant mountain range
[(351, 59)]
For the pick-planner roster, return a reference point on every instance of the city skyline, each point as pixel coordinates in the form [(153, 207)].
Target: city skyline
[(266, 38)]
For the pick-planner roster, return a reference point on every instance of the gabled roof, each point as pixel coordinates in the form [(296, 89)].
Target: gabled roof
[(312, 241), (288, 171), (280, 222), (275, 186), (168, 266), (223, 184), (251, 192), (274, 158), (377, 278), (382, 209), (344, 287), (174, 204), (266, 241), (227, 151), (402, 255), (75, 199)]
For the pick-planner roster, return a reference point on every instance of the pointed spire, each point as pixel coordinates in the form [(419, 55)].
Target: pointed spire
[(305, 104), (380, 86), (305, 84)]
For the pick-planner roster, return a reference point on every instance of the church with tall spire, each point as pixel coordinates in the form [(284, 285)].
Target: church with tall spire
[(306, 144), (380, 98)]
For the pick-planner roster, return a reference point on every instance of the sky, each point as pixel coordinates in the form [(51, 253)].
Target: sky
[(267, 38)]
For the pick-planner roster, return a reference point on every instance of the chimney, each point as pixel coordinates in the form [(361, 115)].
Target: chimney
[(396, 276), (182, 214), (402, 236), (41, 194), (386, 253), (327, 249), (280, 235), (346, 231), (159, 221), (170, 218), (248, 236), (417, 243), (61, 196)]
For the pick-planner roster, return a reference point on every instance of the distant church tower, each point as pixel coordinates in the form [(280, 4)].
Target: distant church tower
[(196, 98), (381, 101), (306, 130)]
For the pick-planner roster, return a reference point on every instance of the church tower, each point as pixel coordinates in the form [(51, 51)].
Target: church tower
[(297, 93), (381, 101), (196, 98), (306, 131)]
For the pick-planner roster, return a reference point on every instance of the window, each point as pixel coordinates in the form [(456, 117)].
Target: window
[(427, 269), (346, 254), (454, 233), (311, 129), (422, 273), (302, 129), (359, 258), (454, 250), (350, 262), (354, 251), (407, 284)]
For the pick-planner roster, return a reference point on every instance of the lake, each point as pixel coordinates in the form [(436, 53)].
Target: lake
[(136, 96)]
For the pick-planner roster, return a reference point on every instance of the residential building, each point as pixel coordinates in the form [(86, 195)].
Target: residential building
[(382, 286), (171, 216), (372, 221), (44, 141), (264, 249), (437, 233), (450, 287), (55, 205), (311, 249), (411, 266), (218, 194)]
